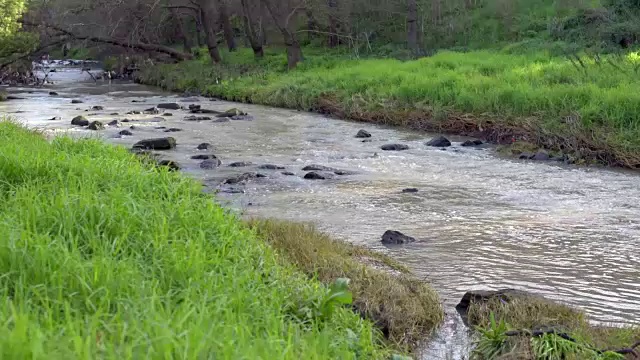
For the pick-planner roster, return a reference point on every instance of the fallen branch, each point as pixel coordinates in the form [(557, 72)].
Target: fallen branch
[(35, 51), (138, 46)]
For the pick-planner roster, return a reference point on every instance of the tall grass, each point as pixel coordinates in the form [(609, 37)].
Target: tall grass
[(585, 105), (102, 256)]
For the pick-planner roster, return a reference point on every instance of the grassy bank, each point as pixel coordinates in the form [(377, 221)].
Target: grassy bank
[(584, 106), (495, 318), (103, 256)]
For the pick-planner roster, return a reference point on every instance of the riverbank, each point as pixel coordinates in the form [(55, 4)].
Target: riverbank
[(515, 325), (582, 108), (107, 256)]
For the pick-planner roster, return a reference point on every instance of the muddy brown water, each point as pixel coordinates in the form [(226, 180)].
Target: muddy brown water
[(568, 233)]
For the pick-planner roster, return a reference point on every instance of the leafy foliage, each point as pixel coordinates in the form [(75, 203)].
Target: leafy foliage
[(492, 341), (10, 12)]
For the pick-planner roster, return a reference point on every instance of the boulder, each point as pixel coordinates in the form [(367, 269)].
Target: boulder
[(210, 164), (472, 143), (439, 141), (173, 130), (172, 165), (76, 101), (270, 167), (95, 125), (204, 157), (394, 147), (114, 123), (166, 143), (541, 156), (315, 175), (230, 113), (240, 164), (477, 296), (169, 106), (410, 190), (205, 146), (79, 121), (391, 237), (318, 168), (97, 108), (362, 134), (125, 133)]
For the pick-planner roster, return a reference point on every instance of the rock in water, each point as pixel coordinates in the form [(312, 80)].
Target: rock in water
[(362, 134), (439, 141), (204, 157), (166, 143), (210, 164), (231, 113), (541, 156), (391, 237), (152, 111), (472, 143), (410, 190), (205, 146), (197, 118), (53, 93), (318, 168), (97, 108), (477, 296), (270, 167), (56, 118), (394, 147), (125, 133), (95, 125), (288, 173), (526, 156), (79, 121), (240, 164), (243, 178), (169, 106), (76, 101), (314, 175), (173, 130), (114, 123), (172, 165)]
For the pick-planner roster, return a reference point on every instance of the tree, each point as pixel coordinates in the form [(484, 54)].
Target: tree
[(10, 12), (412, 26), (225, 22), (252, 29), (282, 15), (207, 17)]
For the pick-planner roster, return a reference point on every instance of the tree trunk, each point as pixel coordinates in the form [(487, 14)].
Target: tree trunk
[(312, 24), (182, 32), (249, 27), (209, 32), (294, 51), (227, 29), (333, 23), (412, 26)]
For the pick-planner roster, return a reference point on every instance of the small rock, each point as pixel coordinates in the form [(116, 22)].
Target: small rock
[(169, 106), (344, 172), (391, 237), (79, 121), (133, 127), (472, 143), (113, 114), (97, 108), (166, 143), (479, 296), (363, 134), (76, 101), (526, 155), (172, 165), (53, 93), (241, 117), (197, 118), (318, 168), (167, 114), (194, 107), (205, 146), (114, 123), (157, 119), (242, 178), (210, 164), (394, 147), (204, 157), (125, 133), (173, 130), (152, 111), (160, 127), (126, 120), (410, 190), (288, 173), (367, 140), (439, 141), (134, 112), (95, 125), (240, 164), (56, 118), (270, 167), (229, 113), (12, 97), (541, 156), (318, 175)]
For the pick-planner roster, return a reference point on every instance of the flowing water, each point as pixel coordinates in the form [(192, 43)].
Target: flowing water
[(483, 222)]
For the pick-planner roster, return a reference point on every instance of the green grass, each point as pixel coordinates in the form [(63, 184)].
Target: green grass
[(528, 313), (103, 256), (404, 308), (584, 106)]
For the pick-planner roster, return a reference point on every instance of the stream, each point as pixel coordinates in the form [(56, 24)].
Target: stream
[(482, 222)]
